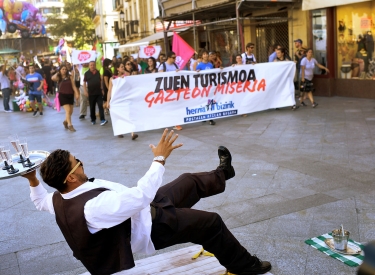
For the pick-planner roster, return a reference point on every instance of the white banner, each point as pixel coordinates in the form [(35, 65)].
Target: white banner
[(81, 57), (148, 51), (152, 101)]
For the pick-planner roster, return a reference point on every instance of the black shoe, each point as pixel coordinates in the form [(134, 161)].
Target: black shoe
[(295, 107), (41, 113), (35, 113), (303, 104), (259, 267), (81, 117), (315, 104), (226, 162), (212, 122)]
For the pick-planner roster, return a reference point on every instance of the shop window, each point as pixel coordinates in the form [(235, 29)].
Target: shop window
[(319, 29), (355, 41)]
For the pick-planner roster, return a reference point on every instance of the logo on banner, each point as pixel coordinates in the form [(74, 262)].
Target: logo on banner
[(200, 113), (149, 50), (83, 56)]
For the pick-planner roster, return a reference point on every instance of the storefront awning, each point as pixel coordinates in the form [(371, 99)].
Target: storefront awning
[(318, 4), (144, 41)]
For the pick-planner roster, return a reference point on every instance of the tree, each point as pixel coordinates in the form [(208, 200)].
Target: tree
[(78, 23)]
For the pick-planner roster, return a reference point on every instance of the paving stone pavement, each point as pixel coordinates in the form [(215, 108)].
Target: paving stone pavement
[(298, 175)]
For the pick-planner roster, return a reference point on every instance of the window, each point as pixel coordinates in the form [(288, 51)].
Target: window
[(355, 41), (319, 26)]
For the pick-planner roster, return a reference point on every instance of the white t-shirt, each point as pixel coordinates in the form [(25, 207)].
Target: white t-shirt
[(192, 61), (309, 67), (4, 81), (168, 67), (250, 58)]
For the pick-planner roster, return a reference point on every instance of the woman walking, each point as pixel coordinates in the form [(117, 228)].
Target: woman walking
[(280, 57), (120, 72), (151, 68), (67, 91), (308, 64)]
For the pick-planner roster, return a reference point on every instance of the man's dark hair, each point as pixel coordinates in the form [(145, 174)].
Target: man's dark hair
[(170, 54), (248, 45), (55, 169)]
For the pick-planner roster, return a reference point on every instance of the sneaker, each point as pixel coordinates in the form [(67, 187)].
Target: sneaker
[(259, 267), (81, 117), (177, 127), (93, 122), (8, 111), (35, 113), (295, 107), (103, 122), (303, 104), (315, 104), (41, 113), (212, 122)]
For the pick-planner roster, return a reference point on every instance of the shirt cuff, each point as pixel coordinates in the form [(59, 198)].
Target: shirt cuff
[(38, 190), (157, 165)]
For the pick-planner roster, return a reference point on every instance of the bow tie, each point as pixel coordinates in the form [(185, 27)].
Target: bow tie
[(91, 179)]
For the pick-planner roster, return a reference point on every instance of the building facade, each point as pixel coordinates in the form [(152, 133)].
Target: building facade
[(105, 18)]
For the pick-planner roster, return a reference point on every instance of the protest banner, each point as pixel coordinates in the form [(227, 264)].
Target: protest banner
[(81, 57), (152, 101), (149, 51)]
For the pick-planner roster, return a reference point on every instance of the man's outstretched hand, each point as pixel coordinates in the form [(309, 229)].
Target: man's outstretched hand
[(165, 145)]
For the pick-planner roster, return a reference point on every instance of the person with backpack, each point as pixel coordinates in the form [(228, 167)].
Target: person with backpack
[(169, 65), (248, 56)]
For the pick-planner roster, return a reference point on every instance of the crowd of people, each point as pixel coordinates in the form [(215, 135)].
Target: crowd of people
[(86, 86)]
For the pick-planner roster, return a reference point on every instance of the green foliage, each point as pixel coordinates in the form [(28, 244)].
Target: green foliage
[(78, 23)]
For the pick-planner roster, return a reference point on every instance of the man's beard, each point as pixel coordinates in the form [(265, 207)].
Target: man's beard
[(82, 178)]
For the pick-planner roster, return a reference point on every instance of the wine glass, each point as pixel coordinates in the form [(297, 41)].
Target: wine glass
[(15, 141), (25, 152), (6, 153), (3, 158)]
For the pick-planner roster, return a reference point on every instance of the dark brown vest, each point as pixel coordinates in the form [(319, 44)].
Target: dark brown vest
[(105, 252)]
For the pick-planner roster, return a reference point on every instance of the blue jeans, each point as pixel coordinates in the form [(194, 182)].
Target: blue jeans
[(6, 98)]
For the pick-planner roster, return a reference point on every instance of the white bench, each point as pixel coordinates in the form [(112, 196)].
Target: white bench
[(177, 262)]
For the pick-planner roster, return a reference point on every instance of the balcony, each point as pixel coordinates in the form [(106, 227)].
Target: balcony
[(119, 4), (95, 17)]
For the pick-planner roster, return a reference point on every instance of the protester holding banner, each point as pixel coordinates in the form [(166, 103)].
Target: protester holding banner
[(170, 66), (67, 91), (238, 61), (216, 62), (248, 56), (205, 65), (308, 64), (119, 73), (199, 60), (151, 68)]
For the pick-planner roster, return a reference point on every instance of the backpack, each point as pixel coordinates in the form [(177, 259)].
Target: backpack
[(165, 66)]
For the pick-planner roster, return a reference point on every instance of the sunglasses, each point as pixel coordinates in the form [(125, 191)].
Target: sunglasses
[(79, 163), (174, 57), (251, 47), (127, 64)]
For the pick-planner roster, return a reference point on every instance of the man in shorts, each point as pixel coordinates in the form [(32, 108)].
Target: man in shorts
[(35, 89)]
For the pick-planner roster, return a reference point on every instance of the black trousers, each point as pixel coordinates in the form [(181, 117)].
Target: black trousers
[(176, 223), (93, 100)]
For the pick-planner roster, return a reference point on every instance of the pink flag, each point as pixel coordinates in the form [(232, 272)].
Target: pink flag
[(182, 49)]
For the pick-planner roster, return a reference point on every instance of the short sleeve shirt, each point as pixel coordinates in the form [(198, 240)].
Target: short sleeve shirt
[(108, 74), (4, 81), (35, 79), (93, 82), (248, 59), (168, 67), (204, 66), (309, 67)]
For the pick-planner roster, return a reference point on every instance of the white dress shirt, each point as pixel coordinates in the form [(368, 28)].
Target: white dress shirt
[(111, 208)]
